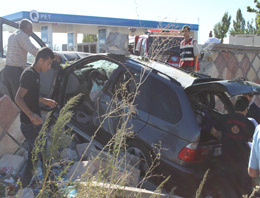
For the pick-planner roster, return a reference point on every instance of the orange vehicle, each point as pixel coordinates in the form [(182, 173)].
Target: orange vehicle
[(159, 45)]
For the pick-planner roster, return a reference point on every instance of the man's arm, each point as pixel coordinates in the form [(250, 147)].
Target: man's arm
[(25, 42), (196, 52), (217, 134), (196, 59), (253, 172), (35, 119), (49, 102)]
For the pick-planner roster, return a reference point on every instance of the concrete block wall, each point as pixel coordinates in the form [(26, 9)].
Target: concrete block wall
[(231, 62), (9, 127)]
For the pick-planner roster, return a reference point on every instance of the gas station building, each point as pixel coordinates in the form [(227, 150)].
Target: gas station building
[(72, 25)]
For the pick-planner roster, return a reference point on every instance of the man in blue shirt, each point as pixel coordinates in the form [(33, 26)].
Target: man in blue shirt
[(254, 163)]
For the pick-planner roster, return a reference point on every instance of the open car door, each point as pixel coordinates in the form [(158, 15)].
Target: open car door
[(232, 87)]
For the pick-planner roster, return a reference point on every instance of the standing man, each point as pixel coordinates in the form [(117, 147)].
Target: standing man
[(254, 160), (234, 131), (189, 51), (28, 98), (19, 45)]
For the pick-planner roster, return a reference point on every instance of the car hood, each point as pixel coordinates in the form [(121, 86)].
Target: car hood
[(232, 87)]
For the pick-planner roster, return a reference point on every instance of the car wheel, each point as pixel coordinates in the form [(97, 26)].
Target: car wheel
[(139, 150)]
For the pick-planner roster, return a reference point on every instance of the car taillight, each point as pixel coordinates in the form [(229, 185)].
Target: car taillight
[(191, 153)]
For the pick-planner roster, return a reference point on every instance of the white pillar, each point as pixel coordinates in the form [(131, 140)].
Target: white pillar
[(72, 44), (75, 41), (70, 41), (46, 35), (102, 36), (50, 37)]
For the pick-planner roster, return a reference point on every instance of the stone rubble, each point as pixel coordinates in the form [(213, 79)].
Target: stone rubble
[(85, 161), (69, 154), (15, 162), (25, 193)]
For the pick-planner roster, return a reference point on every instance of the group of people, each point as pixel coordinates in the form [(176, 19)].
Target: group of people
[(235, 131), (23, 83)]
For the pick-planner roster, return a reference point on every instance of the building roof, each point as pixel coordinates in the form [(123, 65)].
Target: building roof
[(94, 20)]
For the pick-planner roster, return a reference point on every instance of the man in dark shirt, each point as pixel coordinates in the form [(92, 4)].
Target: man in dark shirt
[(234, 131), (28, 98)]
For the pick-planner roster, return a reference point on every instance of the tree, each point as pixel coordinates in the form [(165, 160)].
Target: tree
[(89, 38), (238, 24), (222, 27), (257, 11), (250, 28)]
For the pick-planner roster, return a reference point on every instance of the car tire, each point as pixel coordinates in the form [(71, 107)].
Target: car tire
[(138, 149)]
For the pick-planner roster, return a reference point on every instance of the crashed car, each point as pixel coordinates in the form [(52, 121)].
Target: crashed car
[(173, 108)]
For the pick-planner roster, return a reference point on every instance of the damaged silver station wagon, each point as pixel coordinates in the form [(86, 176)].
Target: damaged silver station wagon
[(173, 108)]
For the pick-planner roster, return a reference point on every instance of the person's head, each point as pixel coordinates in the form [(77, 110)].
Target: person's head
[(26, 26), (44, 59), (210, 34), (249, 96), (186, 31), (241, 105)]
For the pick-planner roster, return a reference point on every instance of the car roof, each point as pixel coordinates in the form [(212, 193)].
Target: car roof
[(194, 82), (190, 81), (183, 77)]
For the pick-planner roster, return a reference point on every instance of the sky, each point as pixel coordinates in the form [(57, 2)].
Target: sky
[(206, 13)]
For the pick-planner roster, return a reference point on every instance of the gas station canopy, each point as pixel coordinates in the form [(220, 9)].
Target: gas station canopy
[(47, 23)]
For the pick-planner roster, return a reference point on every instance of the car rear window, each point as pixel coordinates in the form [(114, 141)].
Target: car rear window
[(165, 102)]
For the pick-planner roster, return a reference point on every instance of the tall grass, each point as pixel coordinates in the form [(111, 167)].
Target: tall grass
[(60, 137)]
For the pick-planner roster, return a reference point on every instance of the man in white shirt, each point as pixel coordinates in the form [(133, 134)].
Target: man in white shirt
[(19, 45)]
